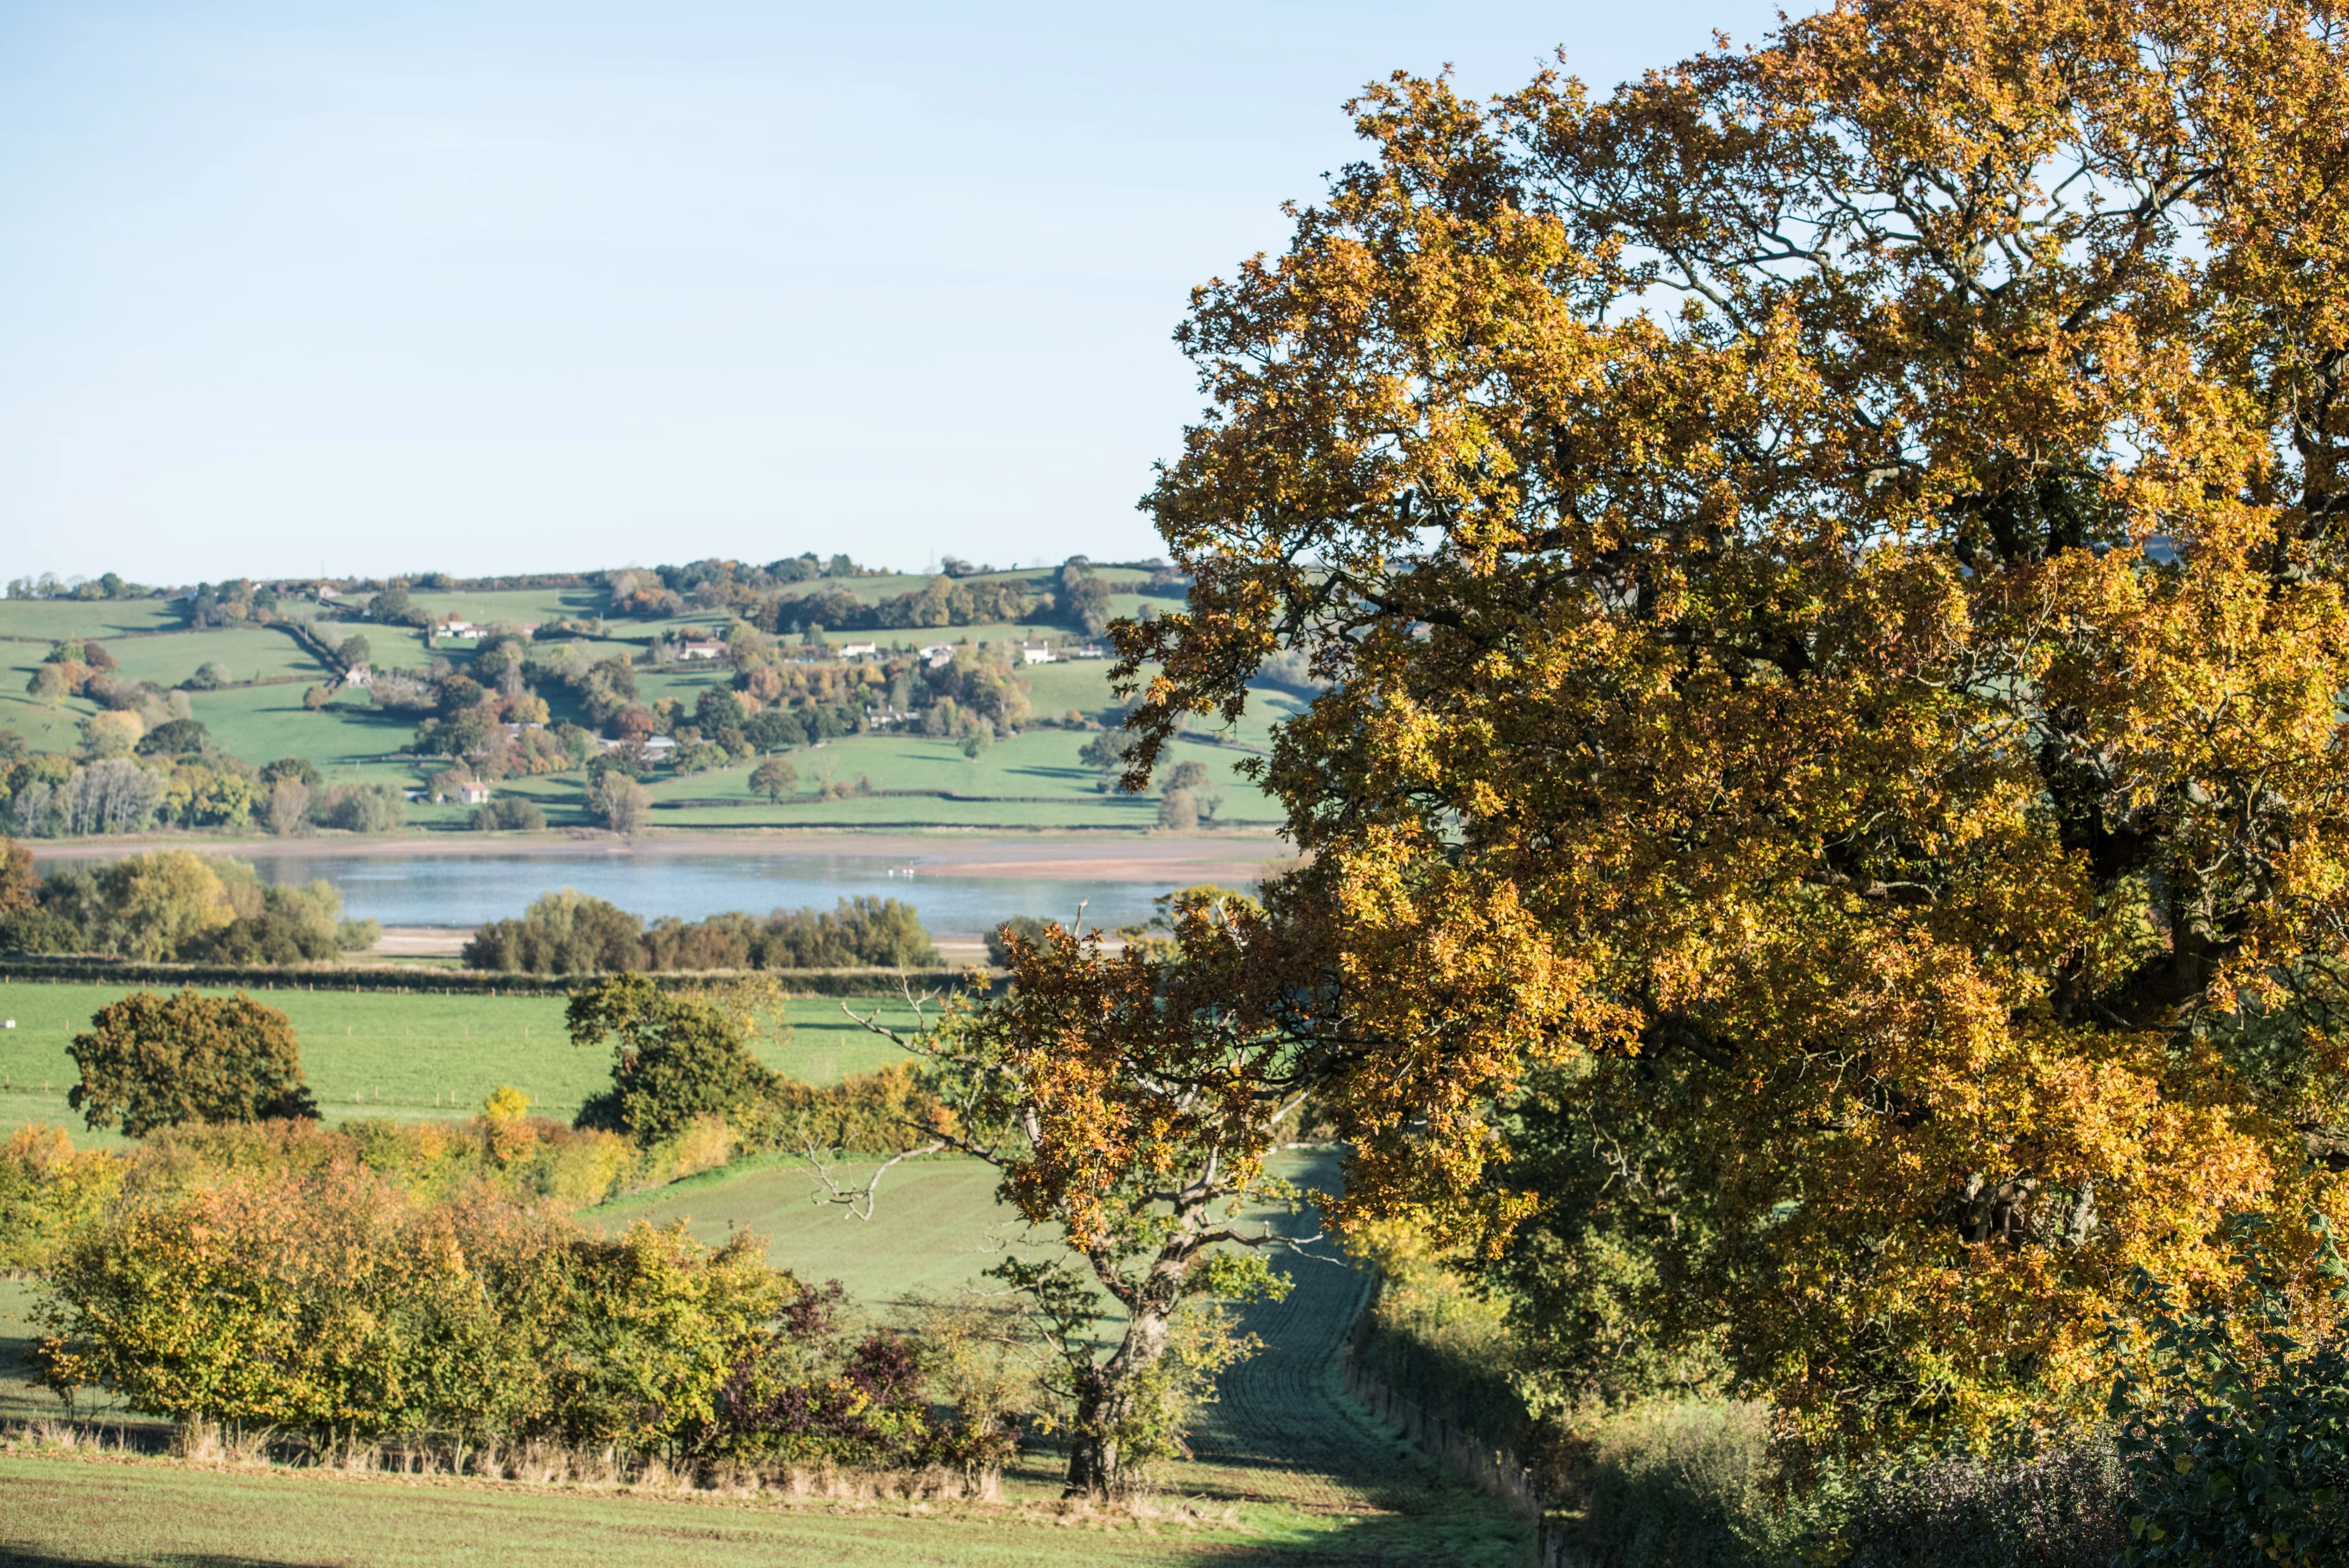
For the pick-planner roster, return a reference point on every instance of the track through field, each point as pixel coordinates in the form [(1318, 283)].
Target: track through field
[(1281, 1427)]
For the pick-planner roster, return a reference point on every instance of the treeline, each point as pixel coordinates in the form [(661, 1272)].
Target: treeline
[(777, 598), (144, 760), (175, 905), (570, 932)]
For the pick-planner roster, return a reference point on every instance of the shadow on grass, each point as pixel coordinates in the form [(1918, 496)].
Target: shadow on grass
[(29, 1556)]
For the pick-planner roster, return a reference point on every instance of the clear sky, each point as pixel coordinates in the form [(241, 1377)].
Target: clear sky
[(509, 285)]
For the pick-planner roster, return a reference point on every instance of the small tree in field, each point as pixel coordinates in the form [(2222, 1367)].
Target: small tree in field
[(151, 1061), (674, 1058), (621, 802), (774, 778), (1130, 1099), (18, 885)]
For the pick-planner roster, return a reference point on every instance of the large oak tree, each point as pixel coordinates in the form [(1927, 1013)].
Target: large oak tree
[(1830, 561)]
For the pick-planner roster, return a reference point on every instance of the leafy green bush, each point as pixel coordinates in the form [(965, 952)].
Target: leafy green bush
[(359, 808), (2234, 1424), (675, 1059), (509, 814)]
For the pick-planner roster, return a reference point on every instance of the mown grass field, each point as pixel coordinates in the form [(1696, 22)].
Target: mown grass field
[(45, 620), (373, 1054), (61, 1511)]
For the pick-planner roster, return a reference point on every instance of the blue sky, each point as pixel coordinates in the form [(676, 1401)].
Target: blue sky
[(496, 286)]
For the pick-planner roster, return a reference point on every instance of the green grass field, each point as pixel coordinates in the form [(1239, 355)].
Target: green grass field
[(373, 1054), (45, 620), (243, 652), (87, 1511), (346, 740)]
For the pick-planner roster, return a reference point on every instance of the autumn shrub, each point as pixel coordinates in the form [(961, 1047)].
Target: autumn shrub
[(49, 1188), (815, 1391), (864, 1113), (336, 1304)]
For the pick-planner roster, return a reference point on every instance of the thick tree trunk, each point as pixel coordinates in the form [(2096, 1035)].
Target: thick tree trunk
[(1100, 1453)]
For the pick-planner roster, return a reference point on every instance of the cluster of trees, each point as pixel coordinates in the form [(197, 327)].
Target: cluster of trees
[(175, 905), (717, 584), (772, 598), (570, 932), (129, 708), (106, 586), (144, 760), (50, 795), (1079, 599), (487, 712), (235, 603)]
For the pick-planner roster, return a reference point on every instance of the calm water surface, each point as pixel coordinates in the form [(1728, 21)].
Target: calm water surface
[(467, 889)]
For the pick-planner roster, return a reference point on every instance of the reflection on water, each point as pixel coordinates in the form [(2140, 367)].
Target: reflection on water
[(467, 889)]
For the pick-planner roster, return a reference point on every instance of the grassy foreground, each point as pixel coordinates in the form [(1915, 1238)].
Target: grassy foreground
[(70, 1510)]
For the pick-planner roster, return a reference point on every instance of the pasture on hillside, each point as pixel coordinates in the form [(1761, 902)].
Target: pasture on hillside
[(422, 1055)]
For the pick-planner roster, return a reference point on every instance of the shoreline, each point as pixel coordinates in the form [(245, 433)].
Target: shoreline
[(1110, 853)]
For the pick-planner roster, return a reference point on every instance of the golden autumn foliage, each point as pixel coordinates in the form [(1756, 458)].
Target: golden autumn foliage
[(1830, 561)]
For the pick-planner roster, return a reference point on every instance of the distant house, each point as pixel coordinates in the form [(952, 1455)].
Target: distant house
[(938, 655), (859, 650), (1036, 653), (1087, 650), (358, 675), (658, 746), (455, 627), (702, 650), (473, 792)]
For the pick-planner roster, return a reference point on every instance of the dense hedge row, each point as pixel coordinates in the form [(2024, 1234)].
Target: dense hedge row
[(112, 971), (341, 1305)]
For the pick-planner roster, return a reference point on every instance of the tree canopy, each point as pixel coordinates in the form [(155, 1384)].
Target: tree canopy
[(1828, 563), (150, 1061)]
